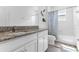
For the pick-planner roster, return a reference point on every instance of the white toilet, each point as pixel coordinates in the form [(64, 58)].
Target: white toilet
[(51, 39)]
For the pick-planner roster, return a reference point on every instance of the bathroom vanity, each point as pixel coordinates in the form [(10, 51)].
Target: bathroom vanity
[(33, 41)]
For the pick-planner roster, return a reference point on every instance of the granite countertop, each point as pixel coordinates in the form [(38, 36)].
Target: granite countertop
[(10, 35)]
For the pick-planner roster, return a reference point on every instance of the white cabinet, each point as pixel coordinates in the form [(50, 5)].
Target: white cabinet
[(35, 45), (29, 47), (40, 45), (42, 41), (45, 43), (28, 43), (45, 38), (20, 44)]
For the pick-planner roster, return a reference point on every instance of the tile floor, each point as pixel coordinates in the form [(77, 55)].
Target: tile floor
[(59, 47)]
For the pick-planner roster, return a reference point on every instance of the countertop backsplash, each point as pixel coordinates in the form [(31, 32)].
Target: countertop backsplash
[(17, 28)]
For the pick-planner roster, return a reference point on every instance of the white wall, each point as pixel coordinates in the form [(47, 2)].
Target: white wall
[(23, 16), (18, 15), (65, 26), (76, 21), (40, 22), (3, 16)]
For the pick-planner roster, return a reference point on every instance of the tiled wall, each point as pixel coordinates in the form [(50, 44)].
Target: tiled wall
[(17, 28)]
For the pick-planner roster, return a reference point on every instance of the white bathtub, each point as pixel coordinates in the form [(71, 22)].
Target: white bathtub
[(67, 39)]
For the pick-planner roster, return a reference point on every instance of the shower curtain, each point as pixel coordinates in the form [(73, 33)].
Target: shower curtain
[(52, 23)]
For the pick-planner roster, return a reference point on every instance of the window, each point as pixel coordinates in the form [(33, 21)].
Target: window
[(62, 15)]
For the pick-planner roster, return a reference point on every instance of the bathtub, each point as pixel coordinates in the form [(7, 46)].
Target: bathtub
[(67, 39)]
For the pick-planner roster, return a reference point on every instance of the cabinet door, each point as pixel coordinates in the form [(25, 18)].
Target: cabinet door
[(31, 47), (28, 47), (40, 44), (45, 40), (42, 41), (45, 43)]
